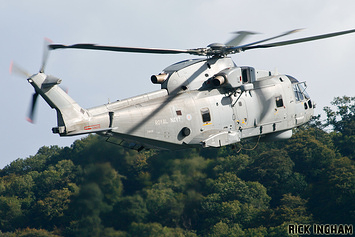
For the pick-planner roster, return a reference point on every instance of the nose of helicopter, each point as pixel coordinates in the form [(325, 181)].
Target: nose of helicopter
[(303, 113)]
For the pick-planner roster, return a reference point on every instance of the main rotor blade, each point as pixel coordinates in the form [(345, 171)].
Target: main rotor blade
[(122, 49), (242, 47), (296, 41), (240, 37)]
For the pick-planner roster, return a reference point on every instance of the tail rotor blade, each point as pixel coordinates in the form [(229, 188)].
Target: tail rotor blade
[(30, 117), (47, 42), (16, 69)]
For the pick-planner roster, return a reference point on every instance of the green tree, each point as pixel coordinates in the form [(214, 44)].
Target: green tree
[(86, 208), (332, 198), (107, 178), (230, 163), (260, 231), (342, 119), (233, 200), (10, 213), (274, 170), (221, 229), (164, 205), (19, 185), (156, 229), (51, 211), (96, 189), (293, 209), (127, 210), (32, 163), (29, 232), (231, 187), (311, 156)]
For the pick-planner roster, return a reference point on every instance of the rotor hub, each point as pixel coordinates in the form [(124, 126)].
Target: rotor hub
[(216, 46)]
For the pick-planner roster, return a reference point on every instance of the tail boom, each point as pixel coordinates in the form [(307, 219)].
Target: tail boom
[(71, 118)]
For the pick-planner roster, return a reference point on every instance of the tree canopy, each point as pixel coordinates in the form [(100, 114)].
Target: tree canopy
[(94, 188)]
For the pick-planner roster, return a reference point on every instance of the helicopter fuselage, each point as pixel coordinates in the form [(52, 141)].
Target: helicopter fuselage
[(208, 103), (203, 102)]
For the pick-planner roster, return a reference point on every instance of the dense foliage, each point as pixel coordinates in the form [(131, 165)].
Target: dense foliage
[(94, 188)]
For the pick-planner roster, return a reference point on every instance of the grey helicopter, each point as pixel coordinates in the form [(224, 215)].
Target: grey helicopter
[(203, 102)]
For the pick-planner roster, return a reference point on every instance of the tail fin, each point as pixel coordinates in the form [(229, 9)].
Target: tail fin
[(72, 119)]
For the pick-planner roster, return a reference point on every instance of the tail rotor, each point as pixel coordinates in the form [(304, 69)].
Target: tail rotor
[(18, 70)]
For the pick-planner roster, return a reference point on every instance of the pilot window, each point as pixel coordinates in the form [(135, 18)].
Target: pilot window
[(298, 94), (300, 91), (302, 86), (206, 116), (279, 101)]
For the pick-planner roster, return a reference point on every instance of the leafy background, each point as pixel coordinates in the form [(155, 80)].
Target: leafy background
[(94, 188)]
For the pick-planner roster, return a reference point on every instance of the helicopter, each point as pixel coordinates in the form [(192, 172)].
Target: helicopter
[(203, 102)]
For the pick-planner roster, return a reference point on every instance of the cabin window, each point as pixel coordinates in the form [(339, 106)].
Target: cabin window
[(245, 75), (206, 116), (279, 101)]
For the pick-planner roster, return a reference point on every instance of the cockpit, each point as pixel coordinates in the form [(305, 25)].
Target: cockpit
[(299, 89)]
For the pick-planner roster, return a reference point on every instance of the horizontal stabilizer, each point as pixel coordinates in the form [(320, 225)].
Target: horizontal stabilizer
[(51, 81)]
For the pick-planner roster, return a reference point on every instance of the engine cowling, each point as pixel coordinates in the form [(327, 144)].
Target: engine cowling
[(219, 80), (159, 79)]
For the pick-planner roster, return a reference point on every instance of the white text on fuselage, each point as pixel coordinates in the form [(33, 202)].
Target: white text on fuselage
[(159, 122)]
